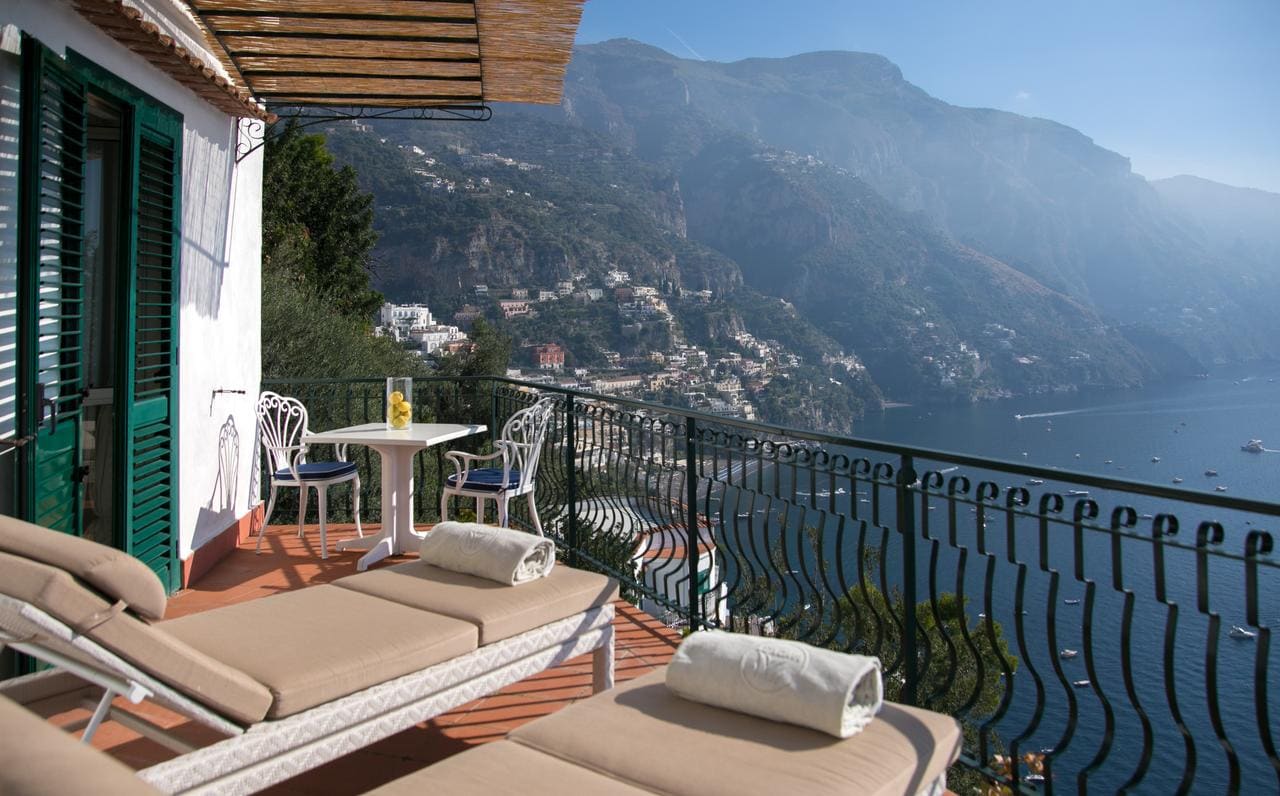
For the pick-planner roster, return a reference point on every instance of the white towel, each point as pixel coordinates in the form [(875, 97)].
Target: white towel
[(500, 554), (836, 693)]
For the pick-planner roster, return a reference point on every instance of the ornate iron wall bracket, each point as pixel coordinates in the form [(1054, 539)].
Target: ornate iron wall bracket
[(254, 134)]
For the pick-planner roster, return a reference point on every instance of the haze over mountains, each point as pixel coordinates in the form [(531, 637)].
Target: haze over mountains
[(960, 253)]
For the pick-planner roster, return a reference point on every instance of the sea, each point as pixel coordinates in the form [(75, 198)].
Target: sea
[(1176, 638), (1190, 426)]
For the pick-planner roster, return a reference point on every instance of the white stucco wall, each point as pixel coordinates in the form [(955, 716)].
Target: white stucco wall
[(219, 338)]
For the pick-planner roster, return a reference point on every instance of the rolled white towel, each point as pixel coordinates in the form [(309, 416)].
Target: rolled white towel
[(833, 692), (499, 554)]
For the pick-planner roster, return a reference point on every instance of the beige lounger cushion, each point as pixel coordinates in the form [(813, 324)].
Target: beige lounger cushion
[(504, 767), (500, 611), (645, 735), (115, 573), (320, 643), (38, 759), (211, 682)]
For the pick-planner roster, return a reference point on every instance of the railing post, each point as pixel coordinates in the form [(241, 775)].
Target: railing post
[(571, 478), (906, 512), (691, 541), (493, 411)]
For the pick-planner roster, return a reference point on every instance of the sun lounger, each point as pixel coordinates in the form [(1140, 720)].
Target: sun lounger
[(635, 739), (641, 738), (293, 680)]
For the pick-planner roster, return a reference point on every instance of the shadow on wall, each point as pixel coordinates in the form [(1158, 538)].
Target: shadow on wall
[(209, 194), (220, 512)]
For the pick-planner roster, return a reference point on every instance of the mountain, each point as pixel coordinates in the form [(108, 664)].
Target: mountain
[(1031, 193), (1241, 223)]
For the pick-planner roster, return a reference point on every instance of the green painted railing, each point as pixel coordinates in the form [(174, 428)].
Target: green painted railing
[(1100, 634)]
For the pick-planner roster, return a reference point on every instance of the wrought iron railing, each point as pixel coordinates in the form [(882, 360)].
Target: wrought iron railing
[(1089, 633)]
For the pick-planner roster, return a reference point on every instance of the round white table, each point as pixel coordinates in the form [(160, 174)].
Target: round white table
[(396, 449)]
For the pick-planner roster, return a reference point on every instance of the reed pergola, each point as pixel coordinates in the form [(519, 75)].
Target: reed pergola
[(384, 54)]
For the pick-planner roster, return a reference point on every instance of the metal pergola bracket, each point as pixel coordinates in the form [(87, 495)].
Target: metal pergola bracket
[(254, 133)]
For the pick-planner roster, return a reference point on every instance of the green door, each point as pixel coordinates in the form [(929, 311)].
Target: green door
[(101, 171), (51, 285), (150, 455)]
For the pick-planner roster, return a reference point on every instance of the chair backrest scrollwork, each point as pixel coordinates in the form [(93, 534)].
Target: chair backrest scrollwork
[(281, 422), (523, 436)]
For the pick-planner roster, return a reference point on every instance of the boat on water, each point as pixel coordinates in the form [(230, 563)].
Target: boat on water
[(1067, 654), (1239, 632), (1081, 683), (1210, 473), (1106, 461), (1146, 516), (1253, 446), (1155, 459), (1078, 492), (1034, 779), (1071, 601), (1219, 488), (1034, 482), (1177, 480)]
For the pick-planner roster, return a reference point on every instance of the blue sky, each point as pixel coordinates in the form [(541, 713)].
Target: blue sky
[(1179, 87)]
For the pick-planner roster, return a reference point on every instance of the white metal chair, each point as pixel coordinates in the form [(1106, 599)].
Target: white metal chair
[(519, 449), (282, 422)]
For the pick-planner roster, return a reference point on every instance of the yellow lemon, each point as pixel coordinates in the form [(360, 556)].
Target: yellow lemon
[(403, 406), (399, 421), (396, 397)]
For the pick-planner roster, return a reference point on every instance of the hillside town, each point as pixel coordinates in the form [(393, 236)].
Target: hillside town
[(720, 382)]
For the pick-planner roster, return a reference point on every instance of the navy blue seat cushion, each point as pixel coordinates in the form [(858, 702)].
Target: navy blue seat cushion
[(318, 471), (488, 479)]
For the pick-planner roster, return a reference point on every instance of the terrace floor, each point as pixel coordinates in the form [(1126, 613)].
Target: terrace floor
[(286, 563)]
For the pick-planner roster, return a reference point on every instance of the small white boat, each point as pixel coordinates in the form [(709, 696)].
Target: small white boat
[(1239, 632), (1034, 779), (1219, 488), (1253, 446), (1081, 683), (1106, 461), (1078, 492), (1211, 472), (1177, 480), (1071, 601), (1034, 482), (1077, 456), (1146, 516), (1067, 654), (982, 616), (1155, 459)]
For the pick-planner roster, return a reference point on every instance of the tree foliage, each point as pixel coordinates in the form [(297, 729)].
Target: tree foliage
[(303, 338), (317, 225)]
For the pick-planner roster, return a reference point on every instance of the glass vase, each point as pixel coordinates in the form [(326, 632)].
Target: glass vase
[(399, 403)]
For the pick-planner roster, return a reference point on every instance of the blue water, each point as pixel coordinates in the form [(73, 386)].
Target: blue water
[(1190, 427)]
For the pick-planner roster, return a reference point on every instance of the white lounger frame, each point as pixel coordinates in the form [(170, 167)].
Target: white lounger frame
[(260, 755)]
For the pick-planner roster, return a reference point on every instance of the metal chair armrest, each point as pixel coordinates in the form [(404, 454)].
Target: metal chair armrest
[(462, 462)]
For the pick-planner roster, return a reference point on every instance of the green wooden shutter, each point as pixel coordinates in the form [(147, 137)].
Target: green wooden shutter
[(54, 110), (151, 466)]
